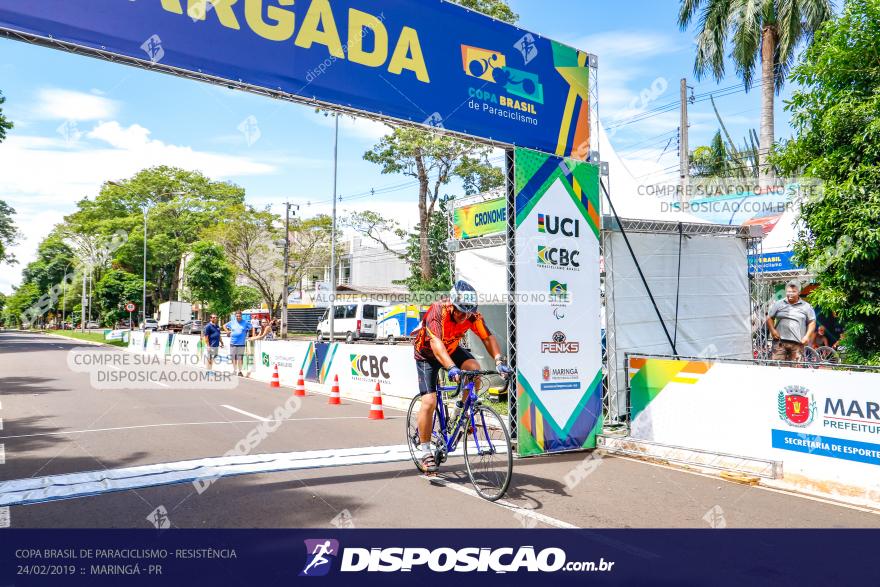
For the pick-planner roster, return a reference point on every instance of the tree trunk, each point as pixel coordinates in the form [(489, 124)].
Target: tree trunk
[(424, 225), (768, 91)]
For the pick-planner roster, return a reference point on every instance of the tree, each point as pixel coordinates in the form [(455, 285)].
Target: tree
[(441, 268), (309, 241), (250, 240), (113, 290), (837, 140), (765, 30), (245, 296), (434, 159), (5, 123), (181, 205), (22, 299), (377, 228), (210, 278), (8, 232)]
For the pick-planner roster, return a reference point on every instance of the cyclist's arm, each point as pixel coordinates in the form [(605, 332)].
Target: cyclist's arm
[(440, 352), (492, 347)]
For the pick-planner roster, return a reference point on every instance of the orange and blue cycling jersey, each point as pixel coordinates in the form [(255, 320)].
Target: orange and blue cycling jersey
[(439, 323)]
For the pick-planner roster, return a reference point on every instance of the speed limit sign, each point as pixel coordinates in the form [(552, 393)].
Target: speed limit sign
[(130, 307)]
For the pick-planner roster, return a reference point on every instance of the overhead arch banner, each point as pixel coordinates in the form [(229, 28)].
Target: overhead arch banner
[(426, 62)]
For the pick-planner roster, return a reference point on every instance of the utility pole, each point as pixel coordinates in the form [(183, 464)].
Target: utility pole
[(144, 296), (684, 155), (286, 269), (333, 232)]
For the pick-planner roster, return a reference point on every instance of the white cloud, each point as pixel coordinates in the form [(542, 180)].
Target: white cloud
[(44, 177), (58, 104), (615, 46), (355, 127)]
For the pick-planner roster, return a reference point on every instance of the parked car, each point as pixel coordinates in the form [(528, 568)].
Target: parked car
[(151, 324), (122, 324), (92, 324), (351, 321), (192, 327)]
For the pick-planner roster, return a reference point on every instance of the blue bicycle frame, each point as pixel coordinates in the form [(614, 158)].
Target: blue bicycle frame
[(450, 441)]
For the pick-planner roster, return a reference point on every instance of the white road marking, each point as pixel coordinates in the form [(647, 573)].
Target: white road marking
[(243, 413), (5, 517), (513, 508), (2, 454), (172, 424), (72, 485), (1, 423)]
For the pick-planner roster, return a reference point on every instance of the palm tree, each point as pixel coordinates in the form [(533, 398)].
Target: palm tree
[(767, 29)]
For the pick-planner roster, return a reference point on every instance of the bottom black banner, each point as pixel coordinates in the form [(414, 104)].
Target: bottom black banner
[(469, 557)]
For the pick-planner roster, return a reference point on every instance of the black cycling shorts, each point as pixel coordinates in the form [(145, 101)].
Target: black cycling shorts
[(428, 369)]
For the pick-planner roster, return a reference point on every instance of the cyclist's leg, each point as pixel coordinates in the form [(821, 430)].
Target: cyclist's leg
[(427, 375)]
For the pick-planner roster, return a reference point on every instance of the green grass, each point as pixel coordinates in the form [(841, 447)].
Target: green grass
[(90, 336)]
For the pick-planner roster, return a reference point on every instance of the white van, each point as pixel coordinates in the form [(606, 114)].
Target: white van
[(351, 321)]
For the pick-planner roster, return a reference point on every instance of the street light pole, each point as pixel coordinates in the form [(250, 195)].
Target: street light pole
[(286, 269), (333, 232), (144, 298), (64, 303)]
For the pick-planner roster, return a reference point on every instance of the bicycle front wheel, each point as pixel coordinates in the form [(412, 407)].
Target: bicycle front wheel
[(488, 455)]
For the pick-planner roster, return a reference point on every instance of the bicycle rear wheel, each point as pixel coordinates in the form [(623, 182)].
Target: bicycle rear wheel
[(488, 455)]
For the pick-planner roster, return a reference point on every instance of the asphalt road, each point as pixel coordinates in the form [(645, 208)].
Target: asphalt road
[(54, 421)]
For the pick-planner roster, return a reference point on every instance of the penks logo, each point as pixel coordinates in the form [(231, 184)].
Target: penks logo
[(369, 368), (320, 554), (796, 406), (556, 225), (558, 257), (560, 344)]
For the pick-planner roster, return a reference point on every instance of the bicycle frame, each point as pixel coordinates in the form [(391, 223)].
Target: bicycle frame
[(451, 440)]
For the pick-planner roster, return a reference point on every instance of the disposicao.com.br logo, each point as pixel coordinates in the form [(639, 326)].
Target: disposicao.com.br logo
[(320, 554)]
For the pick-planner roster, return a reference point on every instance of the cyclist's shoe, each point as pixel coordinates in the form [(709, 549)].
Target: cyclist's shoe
[(428, 464)]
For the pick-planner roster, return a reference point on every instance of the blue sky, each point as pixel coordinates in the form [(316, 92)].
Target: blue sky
[(81, 121)]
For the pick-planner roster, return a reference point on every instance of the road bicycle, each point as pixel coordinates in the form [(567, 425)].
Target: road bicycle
[(488, 455)]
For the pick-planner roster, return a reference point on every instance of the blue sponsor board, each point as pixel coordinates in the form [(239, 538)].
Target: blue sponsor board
[(826, 446), (428, 62), (782, 261), (561, 386)]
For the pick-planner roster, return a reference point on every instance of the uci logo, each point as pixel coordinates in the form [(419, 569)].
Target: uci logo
[(556, 225), (558, 257), (369, 366)]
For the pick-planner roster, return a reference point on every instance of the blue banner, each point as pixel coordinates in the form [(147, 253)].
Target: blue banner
[(419, 557), (782, 261), (427, 62)]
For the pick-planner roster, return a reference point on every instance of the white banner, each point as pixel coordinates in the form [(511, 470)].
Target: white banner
[(824, 425), (361, 366), (186, 345), (290, 356), (559, 349), (136, 340), (158, 343)]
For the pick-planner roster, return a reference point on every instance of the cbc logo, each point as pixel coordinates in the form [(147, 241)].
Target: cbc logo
[(558, 257), (369, 366)]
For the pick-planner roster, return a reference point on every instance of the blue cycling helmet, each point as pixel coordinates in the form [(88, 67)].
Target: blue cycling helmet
[(464, 297)]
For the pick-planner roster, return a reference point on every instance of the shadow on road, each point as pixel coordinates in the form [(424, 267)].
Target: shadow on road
[(27, 385)]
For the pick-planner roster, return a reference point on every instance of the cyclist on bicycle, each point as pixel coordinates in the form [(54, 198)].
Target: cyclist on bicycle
[(437, 347)]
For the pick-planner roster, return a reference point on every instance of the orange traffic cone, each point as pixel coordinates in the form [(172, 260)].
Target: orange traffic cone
[(300, 390), (334, 392), (376, 411), (275, 381)]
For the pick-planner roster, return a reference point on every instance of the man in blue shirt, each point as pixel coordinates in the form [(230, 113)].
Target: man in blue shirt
[(211, 337), (238, 332)]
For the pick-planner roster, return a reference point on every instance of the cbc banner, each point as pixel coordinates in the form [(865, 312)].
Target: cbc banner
[(558, 350)]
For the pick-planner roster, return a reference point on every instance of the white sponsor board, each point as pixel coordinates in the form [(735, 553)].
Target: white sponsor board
[(822, 424), (290, 356), (559, 357), (361, 366), (136, 340), (158, 343), (186, 345)]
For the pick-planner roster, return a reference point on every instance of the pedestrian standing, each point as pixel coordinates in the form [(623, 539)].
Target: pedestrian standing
[(212, 340), (238, 333), (792, 322)]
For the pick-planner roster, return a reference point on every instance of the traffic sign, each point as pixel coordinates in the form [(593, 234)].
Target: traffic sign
[(130, 307)]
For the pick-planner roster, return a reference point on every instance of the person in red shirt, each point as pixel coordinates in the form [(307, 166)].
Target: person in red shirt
[(437, 346)]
